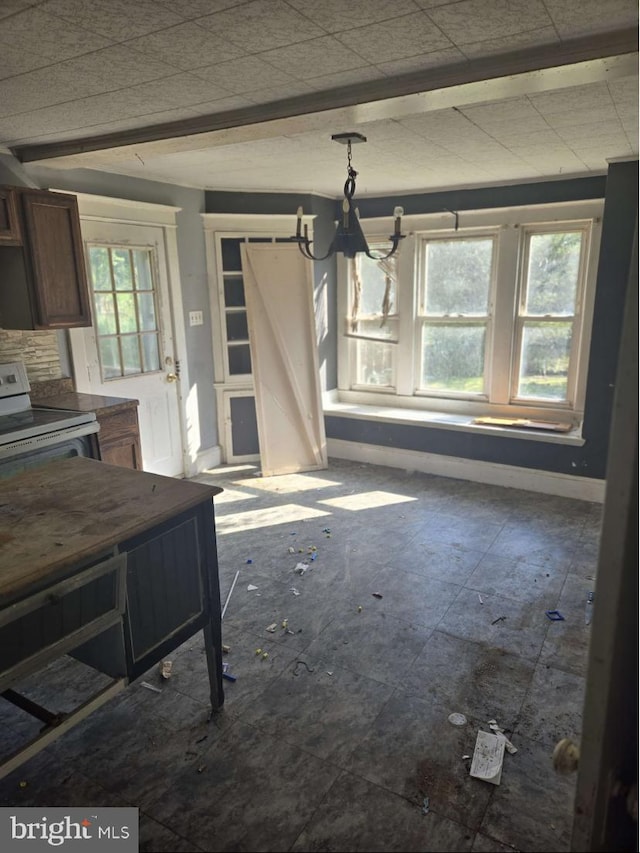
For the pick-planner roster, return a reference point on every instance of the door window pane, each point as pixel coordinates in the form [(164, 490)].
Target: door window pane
[(453, 357), (125, 310), (237, 329), (239, 359), (544, 365), (234, 291)]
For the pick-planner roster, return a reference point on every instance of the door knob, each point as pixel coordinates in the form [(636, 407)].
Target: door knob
[(172, 377)]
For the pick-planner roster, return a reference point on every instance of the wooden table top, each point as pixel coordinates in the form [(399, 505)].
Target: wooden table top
[(59, 514)]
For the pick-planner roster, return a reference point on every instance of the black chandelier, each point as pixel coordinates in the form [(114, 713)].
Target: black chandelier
[(348, 238)]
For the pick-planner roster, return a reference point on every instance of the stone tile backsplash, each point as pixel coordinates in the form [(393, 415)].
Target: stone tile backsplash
[(38, 350)]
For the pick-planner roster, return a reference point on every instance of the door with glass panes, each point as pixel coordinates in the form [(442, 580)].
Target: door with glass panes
[(129, 350)]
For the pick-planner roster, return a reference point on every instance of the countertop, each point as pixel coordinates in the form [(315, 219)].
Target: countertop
[(77, 402), (69, 510)]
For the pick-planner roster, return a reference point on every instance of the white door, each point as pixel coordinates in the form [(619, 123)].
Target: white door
[(129, 349)]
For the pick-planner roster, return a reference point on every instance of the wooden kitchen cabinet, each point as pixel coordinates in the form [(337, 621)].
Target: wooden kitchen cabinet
[(43, 283)]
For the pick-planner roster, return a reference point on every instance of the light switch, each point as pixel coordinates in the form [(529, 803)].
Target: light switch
[(195, 318)]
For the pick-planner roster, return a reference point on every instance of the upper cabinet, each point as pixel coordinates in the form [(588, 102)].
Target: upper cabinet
[(43, 282)]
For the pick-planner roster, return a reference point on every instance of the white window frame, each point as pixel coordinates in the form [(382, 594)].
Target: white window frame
[(500, 401)]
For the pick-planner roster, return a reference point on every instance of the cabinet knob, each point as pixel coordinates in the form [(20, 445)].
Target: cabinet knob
[(172, 377)]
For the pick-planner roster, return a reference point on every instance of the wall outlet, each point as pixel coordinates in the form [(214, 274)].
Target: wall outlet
[(195, 318)]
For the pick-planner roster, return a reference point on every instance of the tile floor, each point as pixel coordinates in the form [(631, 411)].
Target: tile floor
[(333, 741)]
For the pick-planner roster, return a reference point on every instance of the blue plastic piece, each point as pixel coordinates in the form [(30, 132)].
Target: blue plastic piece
[(554, 615)]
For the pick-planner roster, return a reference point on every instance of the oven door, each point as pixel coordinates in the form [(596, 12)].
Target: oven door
[(33, 454)]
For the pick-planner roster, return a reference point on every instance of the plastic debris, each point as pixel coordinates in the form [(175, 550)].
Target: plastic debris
[(251, 587), (293, 590), (265, 655), (480, 599), (249, 561), (498, 730), (285, 623), (457, 719), (291, 549), (376, 594), (301, 568), (588, 611), (487, 758), (224, 609), (425, 805), (314, 556), (226, 649), (329, 673), (465, 757), (150, 687), (499, 619), (226, 674), (298, 664), (166, 667), (202, 768), (258, 651), (554, 615), (359, 608), (272, 628)]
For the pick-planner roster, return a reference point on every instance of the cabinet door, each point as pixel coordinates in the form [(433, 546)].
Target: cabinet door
[(10, 232), (119, 439), (58, 277)]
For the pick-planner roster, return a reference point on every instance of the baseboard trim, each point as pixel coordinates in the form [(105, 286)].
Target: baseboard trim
[(209, 458), (531, 479)]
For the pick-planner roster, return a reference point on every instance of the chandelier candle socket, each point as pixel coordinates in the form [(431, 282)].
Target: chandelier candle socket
[(349, 238)]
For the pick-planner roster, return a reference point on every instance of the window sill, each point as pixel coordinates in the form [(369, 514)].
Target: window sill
[(448, 421)]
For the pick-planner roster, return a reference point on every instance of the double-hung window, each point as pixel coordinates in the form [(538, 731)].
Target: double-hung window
[(492, 317)]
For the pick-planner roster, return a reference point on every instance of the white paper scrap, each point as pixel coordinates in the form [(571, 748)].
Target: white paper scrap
[(487, 758), (251, 587), (493, 725)]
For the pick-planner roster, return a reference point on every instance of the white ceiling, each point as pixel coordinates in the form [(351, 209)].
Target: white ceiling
[(74, 69)]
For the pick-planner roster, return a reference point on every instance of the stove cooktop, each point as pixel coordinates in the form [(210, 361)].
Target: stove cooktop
[(37, 421)]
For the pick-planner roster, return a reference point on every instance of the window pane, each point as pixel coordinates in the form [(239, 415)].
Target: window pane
[(458, 276), (453, 357), (552, 275), (105, 313), (234, 291), (231, 254), (150, 352), (374, 363), (239, 359), (127, 313), (544, 362), (147, 312), (374, 277), (100, 270), (131, 355), (142, 265), (121, 269), (237, 329), (110, 358)]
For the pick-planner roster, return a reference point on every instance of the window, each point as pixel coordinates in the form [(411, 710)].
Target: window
[(125, 310), (490, 318)]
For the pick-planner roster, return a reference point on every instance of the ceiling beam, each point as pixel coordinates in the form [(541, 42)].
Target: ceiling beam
[(434, 88)]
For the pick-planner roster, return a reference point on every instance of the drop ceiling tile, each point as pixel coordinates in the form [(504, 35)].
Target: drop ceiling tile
[(118, 66), (624, 91), (579, 17), (186, 46), (324, 55), (344, 78), (220, 105), (10, 7), (422, 62), (439, 124), (589, 130), (505, 44), (472, 21), (585, 117), (189, 9), (179, 90), (410, 35), (278, 93), (53, 38), (15, 61), (337, 16), (117, 19), (593, 96), (244, 75), (43, 87), (261, 25)]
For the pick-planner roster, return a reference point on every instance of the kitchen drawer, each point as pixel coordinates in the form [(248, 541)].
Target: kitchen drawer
[(50, 623)]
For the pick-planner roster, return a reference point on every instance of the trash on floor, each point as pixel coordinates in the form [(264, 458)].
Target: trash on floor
[(224, 609), (272, 628), (258, 651), (457, 719), (376, 594), (285, 624), (588, 611), (150, 687), (498, 730), (487, 758), (265, 655), (251, 587), (293, 590), (291, 550), (499, 619), (226, 649), (166, 667), (226, 674), (359, 608), (465, 757), (480, 599), (554, 615), (425, 805), (301, 568), (298, 664), (202, 768)]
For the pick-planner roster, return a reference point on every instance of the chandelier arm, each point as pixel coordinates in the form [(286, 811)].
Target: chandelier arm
[(306, 251), (395, 241)]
